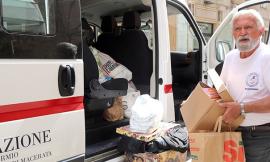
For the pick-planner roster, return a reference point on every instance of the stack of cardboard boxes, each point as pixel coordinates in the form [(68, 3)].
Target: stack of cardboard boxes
[(170, 155)]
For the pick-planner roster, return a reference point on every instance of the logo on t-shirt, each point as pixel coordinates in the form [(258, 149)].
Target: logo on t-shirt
[(252, 81)]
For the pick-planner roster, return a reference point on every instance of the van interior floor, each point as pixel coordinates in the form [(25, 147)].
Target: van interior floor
[(102, 135), (97, 150)]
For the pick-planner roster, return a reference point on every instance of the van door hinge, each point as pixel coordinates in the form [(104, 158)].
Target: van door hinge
[(160, 81)]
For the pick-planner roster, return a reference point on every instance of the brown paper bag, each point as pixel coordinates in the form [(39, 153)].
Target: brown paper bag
[(217, 146), (116, 112)]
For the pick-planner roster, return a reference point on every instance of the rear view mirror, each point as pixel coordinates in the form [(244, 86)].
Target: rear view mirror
[(222, 48), (147, 25)]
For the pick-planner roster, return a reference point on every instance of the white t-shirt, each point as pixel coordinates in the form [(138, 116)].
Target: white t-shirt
[(248, 80)]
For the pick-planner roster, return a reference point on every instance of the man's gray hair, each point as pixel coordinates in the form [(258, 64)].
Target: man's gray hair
[(250, 12)]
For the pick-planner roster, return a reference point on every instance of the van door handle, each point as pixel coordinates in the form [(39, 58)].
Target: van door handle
[(66, 80)]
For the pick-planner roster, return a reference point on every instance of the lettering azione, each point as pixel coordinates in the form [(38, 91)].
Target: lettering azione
[(24, 141)]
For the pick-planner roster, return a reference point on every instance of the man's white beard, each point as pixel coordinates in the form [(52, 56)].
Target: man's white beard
[(248, 46)]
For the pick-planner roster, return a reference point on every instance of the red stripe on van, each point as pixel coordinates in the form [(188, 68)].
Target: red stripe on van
[(39, 108), (168, 88)]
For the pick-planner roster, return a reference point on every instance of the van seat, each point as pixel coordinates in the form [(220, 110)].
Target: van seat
[(105, 41), (132, 51), (98, 96)]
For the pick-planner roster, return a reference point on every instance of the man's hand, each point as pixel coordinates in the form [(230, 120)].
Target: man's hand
[(232, 111)]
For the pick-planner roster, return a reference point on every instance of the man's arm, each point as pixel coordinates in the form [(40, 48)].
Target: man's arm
[(259, 106), (233, 110)]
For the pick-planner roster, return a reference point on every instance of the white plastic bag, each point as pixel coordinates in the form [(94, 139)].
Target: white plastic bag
[(128, 101), (109, 68), (102, 77), (146, 114)]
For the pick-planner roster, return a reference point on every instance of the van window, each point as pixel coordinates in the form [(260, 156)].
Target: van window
[(182, 37), (224, 42), (185, 54), (28, 16)]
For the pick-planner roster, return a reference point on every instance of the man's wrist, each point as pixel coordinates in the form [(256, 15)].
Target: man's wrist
[(242, 109)]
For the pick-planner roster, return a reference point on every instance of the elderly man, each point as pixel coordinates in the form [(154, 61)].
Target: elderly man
[(246, 73)]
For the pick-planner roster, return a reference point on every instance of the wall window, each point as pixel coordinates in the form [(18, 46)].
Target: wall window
[(182, 37), (220, 15), (207, 29), (264, 5), (29, 16), (192, 8)]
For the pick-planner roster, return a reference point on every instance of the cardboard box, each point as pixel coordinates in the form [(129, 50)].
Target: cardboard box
[(146, 137), (172, 156), (220, 86), (200, 112)]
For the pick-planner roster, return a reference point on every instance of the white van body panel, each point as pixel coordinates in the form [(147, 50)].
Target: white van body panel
[(23, 110), (164, 61), (56, 132), (39, 77)]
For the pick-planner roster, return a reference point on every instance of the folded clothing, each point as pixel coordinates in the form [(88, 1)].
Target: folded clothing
[(175, 138), (131, 145)]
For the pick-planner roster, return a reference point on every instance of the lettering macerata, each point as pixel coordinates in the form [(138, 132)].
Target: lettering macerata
[(36, 157)]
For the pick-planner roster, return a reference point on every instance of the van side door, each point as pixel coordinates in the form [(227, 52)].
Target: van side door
[(179, 45), (41, 81)]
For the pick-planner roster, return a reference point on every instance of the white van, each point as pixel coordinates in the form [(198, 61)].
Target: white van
[(51, 104)]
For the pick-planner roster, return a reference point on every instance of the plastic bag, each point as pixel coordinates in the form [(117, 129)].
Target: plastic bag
[(109, 67), (146, 114), (115, 112), (128, 102)]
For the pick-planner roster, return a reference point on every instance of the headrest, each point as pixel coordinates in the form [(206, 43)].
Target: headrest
[(67, 49), (108, 24), (131, 20), (88, 33)]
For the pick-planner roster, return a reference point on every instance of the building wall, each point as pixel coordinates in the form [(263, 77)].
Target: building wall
[(210, 13)]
